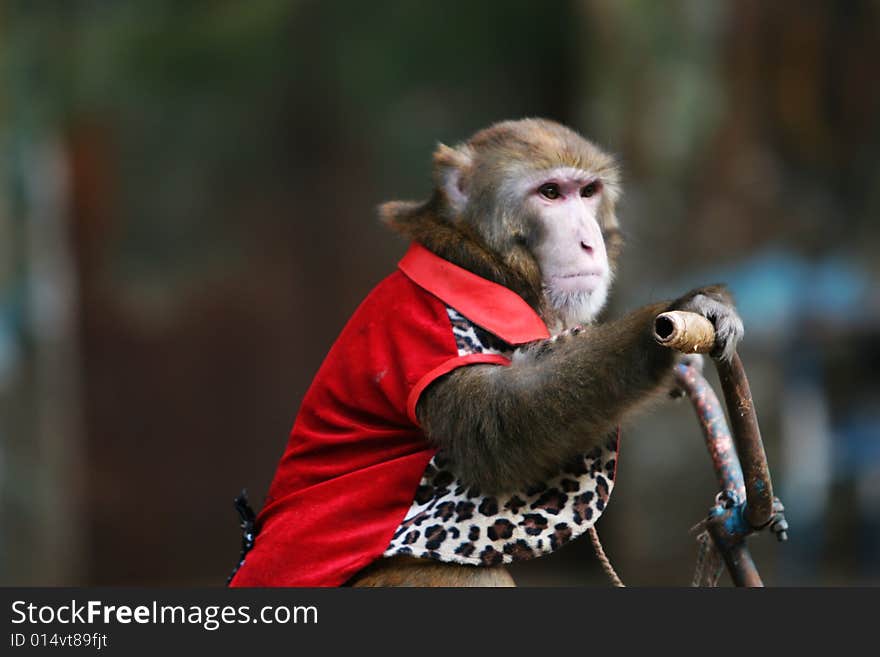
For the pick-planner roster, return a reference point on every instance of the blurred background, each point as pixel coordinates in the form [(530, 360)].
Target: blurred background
[(187, 219)]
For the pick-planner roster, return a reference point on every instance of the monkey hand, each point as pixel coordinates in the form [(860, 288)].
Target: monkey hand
[(715, 304)]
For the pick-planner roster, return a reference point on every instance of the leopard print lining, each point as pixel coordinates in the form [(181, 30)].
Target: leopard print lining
[(450, 522), (471, 339)]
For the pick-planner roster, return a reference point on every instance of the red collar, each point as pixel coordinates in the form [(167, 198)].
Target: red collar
[(494, 307)]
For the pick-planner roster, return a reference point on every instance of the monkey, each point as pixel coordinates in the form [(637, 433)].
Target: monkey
[(515, 250)]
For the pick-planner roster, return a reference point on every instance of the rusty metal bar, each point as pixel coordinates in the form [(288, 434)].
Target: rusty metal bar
[(726, 522), (719, 442), (690, 332), (747, 435), (746, 502)]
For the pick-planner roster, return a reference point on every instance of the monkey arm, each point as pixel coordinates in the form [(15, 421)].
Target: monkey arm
[(505, 426)]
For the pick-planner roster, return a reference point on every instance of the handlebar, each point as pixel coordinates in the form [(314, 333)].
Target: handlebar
[(692, 333), (683, 331)]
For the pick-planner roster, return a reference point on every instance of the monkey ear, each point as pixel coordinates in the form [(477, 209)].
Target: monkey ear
[(451, 168), (397, 214)]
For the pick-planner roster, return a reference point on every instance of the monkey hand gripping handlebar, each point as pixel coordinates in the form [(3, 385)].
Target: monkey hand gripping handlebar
[(745, 503)]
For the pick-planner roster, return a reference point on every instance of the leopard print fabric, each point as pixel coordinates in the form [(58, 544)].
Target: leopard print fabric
[(450, 522)]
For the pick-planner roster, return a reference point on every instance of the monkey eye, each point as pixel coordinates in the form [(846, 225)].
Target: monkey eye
[(591, 189), (549, 191)]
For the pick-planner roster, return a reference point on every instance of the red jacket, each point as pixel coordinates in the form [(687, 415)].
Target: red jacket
[(356, 453)]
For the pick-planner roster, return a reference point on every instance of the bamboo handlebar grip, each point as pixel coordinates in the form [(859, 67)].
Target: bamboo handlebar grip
[(684, 331)]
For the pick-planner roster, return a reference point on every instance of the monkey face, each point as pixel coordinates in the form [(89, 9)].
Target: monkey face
[(564, 204), (544, 182)]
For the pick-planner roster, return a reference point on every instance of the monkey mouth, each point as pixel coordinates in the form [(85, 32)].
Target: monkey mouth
[(581, 281), (585, 274), (582, 274)]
